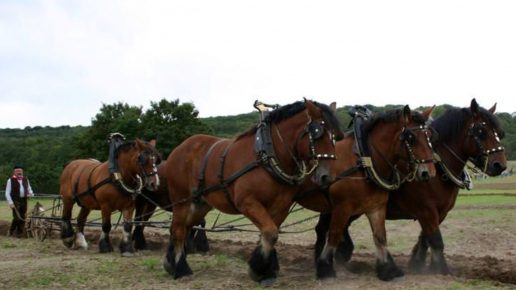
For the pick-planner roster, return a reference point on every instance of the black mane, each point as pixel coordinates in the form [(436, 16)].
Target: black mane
[(285, 112), (452, 122), (391, 116)]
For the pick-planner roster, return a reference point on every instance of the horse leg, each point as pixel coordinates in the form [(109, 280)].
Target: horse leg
[(175, 260), (418, 255), (438, 262), (199, 238), (126, 245), (80, 241), (321, 231), (324, 262), (263, 264), (386, 269), (143, 214), (67, 233), (104, 242)]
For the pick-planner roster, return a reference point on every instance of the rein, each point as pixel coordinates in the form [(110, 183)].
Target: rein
[(265, 157), (466, 181)]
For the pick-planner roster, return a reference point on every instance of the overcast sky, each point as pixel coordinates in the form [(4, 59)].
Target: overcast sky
[(61, 60)]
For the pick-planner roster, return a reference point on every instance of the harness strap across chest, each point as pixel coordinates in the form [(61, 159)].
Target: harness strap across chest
[(91, 189), (223, 183)]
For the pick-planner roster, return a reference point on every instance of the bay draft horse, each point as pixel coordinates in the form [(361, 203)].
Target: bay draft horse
[(365, 173), (255, 174), (90, 183), (464, 134), (145, 206)]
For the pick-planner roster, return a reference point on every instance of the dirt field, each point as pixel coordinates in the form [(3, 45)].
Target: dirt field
[(481, 253)]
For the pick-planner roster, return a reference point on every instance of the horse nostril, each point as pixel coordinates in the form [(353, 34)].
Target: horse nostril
[(326, 179), (425, 176), (499, 167)]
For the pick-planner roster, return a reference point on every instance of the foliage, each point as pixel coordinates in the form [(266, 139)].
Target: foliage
[(170, 123), (41, 150), (45, 150), (167, 121)]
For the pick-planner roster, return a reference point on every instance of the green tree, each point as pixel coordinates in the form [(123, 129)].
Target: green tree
[(118, 117), (170, 123)]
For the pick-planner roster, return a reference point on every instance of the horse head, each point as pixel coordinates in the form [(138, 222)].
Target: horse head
[(400, 139), (483, 139), (139, 159), (148, 159), (320, 134), (415, 138)]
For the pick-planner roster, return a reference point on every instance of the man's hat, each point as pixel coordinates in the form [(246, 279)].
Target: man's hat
[(17, 166)]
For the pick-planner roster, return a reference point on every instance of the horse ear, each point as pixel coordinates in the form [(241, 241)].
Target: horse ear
[(428, 112), (493, 109), (139, 144), (313, 111), (152, 142), (474, 107), (406, 114), (333, 107)]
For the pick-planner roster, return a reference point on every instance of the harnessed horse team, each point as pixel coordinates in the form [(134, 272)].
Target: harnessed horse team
[(391, 165)]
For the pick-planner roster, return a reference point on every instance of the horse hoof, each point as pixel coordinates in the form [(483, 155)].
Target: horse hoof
[(105, 247), (324, 268), (268, 282), (387, 272), (440, 269), (127, 254), (168, 267), (416, 266), (68, 242)]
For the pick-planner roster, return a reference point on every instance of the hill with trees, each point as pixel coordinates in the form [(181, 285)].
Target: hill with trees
[(45, 150)]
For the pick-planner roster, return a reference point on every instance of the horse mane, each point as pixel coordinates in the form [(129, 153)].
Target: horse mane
[(452, 122), (389, 117), (125, 146), (285, 112)]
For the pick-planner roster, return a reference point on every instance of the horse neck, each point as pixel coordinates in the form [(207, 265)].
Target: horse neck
[(444, 149), (290, 130), (128, 172), (384, 157)]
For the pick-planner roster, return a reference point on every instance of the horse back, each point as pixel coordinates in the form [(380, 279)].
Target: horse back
[(78, 176)]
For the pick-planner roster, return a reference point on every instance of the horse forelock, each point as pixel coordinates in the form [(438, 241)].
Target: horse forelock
[(331, 119), (452, 122)]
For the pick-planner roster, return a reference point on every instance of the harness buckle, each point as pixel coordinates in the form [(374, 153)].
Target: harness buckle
[(117, 176)]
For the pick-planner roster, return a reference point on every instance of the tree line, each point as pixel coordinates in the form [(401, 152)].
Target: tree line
[(44, 151)]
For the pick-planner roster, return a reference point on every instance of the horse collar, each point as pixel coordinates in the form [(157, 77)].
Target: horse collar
[(462, 182), (266, 155), (361, 114)]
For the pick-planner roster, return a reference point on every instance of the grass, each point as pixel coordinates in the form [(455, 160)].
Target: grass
[(486, 200), (483, 187)]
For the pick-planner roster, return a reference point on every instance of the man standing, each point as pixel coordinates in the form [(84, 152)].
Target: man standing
[(17, 191)]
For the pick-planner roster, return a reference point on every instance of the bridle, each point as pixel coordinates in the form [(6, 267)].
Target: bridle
[(315, 131), (477, 131), (141, 161), (408, 137)]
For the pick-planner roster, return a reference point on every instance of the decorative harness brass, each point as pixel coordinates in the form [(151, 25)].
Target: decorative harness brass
[(265, 156)]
